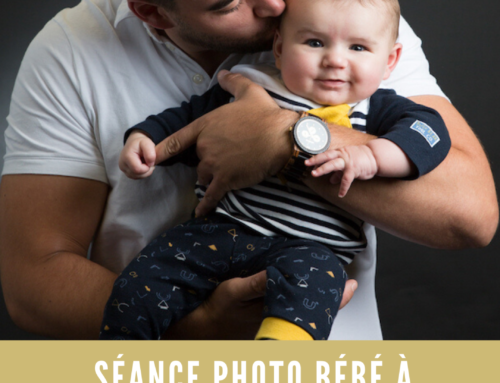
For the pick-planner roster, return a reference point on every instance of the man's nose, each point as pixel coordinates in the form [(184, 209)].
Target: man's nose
[(269, 8)]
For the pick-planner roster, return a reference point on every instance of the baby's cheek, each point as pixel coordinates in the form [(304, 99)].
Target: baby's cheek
[(368, 85), (296, 80)]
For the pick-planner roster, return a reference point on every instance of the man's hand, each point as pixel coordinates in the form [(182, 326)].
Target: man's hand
[(238, 144), (233, 311), (137, 158)]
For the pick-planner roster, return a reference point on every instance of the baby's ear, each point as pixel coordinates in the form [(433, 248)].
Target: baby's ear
[(393, 59), (277, 48)]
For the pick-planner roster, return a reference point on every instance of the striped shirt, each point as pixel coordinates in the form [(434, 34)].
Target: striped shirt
[(271, 209)]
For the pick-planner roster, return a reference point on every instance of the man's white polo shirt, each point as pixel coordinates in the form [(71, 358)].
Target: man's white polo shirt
[(94, 71)]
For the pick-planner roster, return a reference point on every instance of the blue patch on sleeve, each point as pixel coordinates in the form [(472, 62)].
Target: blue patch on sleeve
[(426, 131)]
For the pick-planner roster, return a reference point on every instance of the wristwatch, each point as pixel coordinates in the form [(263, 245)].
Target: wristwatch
[(309, 136)]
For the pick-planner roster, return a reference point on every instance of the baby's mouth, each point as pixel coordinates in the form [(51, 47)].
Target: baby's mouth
[(332, 82)]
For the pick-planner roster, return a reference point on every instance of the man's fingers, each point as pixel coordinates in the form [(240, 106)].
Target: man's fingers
[(205, 175), (234, 83), (350, 287), (252, 287), (177, 142), (214, 193)]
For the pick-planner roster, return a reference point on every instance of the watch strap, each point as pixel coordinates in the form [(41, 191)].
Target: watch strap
[(295, 168)]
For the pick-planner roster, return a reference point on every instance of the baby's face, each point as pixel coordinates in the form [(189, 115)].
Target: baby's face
[(335, 53)]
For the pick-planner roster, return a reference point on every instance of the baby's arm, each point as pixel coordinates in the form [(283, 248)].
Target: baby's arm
[(379, 157), (137, 159), (413, 141)]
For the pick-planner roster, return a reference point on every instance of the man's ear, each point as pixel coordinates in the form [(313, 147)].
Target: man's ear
[(277, 48), (393, 59), (151, 14)]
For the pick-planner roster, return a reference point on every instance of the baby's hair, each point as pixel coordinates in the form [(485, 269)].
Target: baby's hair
[(394, 13), (393, 9)]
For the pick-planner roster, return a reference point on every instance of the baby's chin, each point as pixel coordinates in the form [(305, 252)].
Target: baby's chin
[(324, 98), (331, 100)]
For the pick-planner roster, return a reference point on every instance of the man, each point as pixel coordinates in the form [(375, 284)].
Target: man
[(98, 71)]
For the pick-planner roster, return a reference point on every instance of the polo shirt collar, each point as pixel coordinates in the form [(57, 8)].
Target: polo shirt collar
[(123, 13)]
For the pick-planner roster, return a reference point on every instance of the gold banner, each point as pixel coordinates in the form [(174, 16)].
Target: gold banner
[(249, 362)]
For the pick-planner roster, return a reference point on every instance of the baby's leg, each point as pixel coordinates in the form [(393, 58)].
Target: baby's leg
[(305, 282), (170, 278)]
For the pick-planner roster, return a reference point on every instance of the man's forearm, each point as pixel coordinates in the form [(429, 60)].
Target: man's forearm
[(406, 209), (46, 226), (63, 297), (454, 206)]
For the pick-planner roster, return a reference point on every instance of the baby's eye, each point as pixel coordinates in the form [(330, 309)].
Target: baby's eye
[(358, 48), (314, 43)]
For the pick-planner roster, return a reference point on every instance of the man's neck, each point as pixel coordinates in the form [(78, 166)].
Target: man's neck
[(209, 60)]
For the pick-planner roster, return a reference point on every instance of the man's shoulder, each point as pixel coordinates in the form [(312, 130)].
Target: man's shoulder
[(91, 18), (88, 37), (74, 35)]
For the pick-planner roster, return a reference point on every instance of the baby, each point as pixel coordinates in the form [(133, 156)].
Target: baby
[(329, 53)]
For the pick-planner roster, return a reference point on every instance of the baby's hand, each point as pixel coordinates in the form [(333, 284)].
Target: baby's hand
[(346, 164), (137, 159)]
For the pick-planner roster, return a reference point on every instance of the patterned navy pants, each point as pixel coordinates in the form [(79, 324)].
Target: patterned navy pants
[(176, 272)]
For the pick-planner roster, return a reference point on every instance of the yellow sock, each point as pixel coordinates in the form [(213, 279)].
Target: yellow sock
[(280, 329)]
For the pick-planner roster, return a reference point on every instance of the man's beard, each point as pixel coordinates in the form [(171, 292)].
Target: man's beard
[(262, 41)]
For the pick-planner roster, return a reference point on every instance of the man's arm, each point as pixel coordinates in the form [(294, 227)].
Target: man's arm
[(46, 226), (52, 289), (454, 206)]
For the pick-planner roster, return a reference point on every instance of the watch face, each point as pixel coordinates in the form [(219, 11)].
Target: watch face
[(312, 135)]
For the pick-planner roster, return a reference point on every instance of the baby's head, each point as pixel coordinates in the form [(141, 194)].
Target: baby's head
[(337, 51)]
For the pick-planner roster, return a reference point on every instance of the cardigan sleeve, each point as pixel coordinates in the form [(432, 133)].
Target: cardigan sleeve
[(418, 130)]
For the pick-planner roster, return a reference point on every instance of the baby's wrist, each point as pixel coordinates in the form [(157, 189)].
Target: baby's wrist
[(137, 133)]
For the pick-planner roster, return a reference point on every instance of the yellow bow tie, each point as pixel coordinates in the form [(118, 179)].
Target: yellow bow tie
[(338, 114)]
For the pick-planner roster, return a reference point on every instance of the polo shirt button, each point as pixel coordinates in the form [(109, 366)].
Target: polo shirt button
[(198, 78)]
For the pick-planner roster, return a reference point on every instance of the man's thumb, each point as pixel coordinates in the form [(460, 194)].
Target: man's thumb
[(234, 83)]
